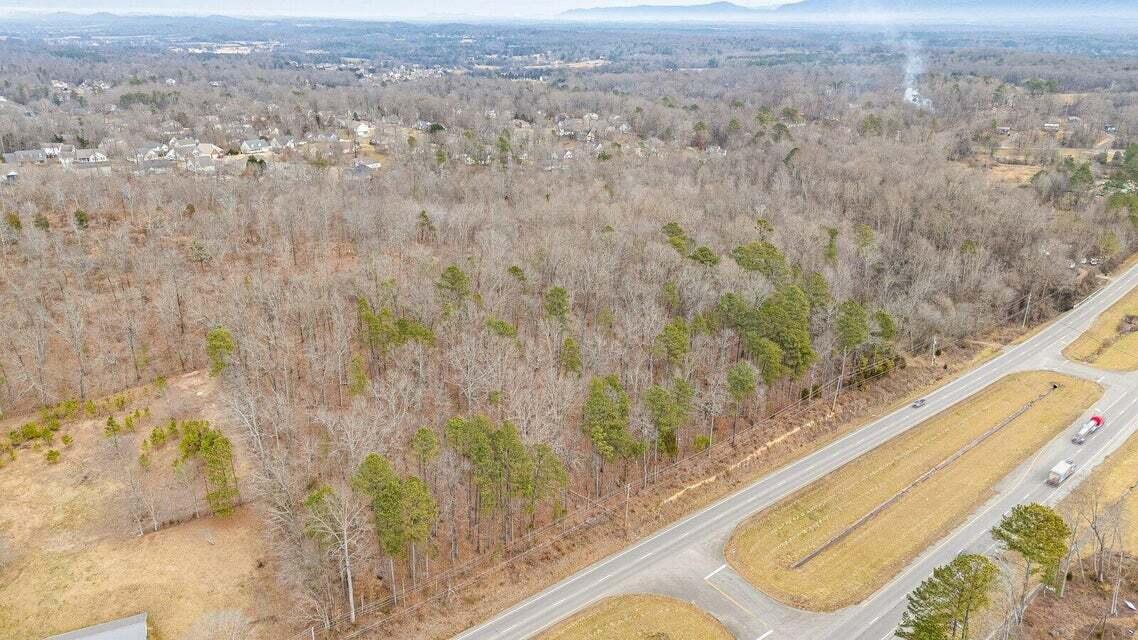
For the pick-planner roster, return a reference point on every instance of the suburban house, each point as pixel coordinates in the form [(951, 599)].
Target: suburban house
[(132, 628), (428, 126), (90, 161), (322, 137), (53, 150), (151, 151), (28, 156), (90, 156), (183, 153), (1051, 127), (182, 143), (11, 177), (361, 169), (361, 129), (284, 143), (255, 146)]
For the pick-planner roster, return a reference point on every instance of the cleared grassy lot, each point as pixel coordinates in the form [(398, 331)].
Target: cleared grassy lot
[(792, 551), (639, 617), (1104, 345)]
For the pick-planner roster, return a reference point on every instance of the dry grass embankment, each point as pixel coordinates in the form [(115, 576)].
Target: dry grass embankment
[(639, 617), (766, 547), (1105, 344)]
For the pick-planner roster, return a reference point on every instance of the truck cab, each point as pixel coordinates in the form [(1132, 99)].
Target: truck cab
[(1060, 472), (1089, 427)]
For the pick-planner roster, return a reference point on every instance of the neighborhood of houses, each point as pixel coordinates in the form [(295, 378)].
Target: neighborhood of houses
[(233, 144)]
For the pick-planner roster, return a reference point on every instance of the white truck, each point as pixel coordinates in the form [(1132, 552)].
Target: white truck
[(1060, 472), (1089, 427)]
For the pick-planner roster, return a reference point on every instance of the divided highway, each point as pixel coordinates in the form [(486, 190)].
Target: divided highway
[(685, 560)]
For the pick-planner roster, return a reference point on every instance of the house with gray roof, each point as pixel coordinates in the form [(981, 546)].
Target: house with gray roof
[(27, 156), (255, 146), (132, 628)]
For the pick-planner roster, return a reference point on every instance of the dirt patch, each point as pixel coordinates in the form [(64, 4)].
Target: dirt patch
[(838, 565), (639, 617), (1110, 343), (1083, 611)]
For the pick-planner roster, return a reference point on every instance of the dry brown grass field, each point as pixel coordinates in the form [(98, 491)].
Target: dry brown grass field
[(1103, 345), (68, 558), (1013, 173), (765, 547), (639, 617)]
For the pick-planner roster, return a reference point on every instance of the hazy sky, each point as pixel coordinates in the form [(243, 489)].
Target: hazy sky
[(341, 8)]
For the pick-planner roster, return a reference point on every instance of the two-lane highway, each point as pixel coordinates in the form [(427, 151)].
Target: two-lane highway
[(686, 558)]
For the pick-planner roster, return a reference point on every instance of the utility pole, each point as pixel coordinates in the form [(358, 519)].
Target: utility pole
[(627, 498), (1026, 310), (934, 349)]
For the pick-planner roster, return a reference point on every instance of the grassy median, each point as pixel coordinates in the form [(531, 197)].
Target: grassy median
[(1112, 341), (639, 617), (790, 550)]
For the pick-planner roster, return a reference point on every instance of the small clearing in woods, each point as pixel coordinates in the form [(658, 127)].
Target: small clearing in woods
[(766, 548), (639, 617), (1111, 342), (70, 558), (1013, 173)]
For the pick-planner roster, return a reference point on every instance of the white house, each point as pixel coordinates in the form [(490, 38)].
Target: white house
[(90, 156), (255, 146), (362, 129)]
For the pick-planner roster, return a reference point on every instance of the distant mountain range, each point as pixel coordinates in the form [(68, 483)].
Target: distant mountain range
[(713, 10), (968, 9), (1098, 7)]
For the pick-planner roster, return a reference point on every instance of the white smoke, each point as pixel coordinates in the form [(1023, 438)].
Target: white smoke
[(914, 68)]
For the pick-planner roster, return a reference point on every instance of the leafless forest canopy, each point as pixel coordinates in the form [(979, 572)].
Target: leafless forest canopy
[(557, 278)]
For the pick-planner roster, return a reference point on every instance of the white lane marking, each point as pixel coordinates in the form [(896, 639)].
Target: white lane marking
[(769, 631), (645, 556), (721, 568)]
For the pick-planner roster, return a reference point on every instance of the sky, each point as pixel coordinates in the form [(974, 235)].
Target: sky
[(361, 9)]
